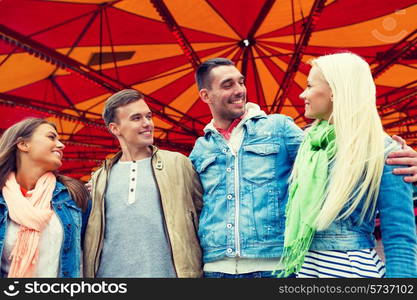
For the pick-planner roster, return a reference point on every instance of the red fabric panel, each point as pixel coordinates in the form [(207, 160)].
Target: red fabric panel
[(239, 14)]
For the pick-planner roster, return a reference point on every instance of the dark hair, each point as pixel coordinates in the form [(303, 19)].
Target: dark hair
[(116, 100), (203, 71), (21, 131)]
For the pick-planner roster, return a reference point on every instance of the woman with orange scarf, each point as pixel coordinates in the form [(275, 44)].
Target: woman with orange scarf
[(40, 211)]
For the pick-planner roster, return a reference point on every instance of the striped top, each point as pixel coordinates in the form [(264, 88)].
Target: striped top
[(363, 263)]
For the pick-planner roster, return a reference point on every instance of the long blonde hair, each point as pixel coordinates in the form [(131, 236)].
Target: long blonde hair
[(359, 159)]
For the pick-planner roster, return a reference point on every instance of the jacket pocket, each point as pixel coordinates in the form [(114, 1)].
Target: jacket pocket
[(258, 162), (262, 149), (209, 174), (205, 163)]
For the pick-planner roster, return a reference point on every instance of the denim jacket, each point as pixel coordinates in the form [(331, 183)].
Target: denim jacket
[(395, 208), (245, 193), (71, 219)]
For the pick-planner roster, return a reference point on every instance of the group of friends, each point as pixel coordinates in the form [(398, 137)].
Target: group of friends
[(257, 196)]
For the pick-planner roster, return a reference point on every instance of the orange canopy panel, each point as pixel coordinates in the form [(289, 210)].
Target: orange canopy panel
[(61, 59)]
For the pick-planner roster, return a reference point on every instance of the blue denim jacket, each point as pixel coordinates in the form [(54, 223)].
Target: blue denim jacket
[(395, 207), (71, 219), (245, 193)]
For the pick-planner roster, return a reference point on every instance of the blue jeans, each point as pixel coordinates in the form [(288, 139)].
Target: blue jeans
[(259, 274)]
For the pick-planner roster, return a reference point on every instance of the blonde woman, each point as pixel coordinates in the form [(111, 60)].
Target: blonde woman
[(40, 211), (340, 182)]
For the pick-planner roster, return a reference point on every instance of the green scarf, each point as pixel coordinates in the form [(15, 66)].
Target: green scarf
[(306, 194)]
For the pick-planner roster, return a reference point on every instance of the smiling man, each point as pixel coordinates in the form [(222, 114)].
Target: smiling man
[(146, 202)]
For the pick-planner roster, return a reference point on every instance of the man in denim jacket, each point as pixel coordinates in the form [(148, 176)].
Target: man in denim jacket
[(244, 161)]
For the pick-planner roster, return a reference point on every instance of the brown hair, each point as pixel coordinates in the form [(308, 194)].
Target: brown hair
[(202, 75), (23, 130), (121, 98)]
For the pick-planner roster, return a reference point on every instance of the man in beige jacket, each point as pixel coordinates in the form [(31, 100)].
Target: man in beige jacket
[(145, 202)]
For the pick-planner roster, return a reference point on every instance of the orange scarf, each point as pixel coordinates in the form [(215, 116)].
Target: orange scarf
[(32, 215)]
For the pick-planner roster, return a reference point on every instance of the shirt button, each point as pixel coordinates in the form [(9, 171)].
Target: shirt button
[(133, 170), (229, 169), (131, 190), (229, 225), (229, 250), (229, 197)]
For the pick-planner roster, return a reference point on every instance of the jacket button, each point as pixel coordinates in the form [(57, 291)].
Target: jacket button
[(68, 226), (229, 197), (229, 225), (229, 250), (224, 150), (229, 169)]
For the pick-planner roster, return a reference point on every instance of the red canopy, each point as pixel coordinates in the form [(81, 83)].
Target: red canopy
[(61, 59)]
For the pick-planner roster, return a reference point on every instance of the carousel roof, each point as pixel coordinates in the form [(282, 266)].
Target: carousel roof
[(61, 59)]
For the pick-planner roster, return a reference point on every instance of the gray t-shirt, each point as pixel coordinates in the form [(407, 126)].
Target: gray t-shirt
[(135, 239)]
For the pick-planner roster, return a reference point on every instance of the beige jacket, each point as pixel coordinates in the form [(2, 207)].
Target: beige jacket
[(180, 193)]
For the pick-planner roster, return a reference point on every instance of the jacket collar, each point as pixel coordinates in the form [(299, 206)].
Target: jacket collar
[(58, 188), (253, 112), (108, 163)]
